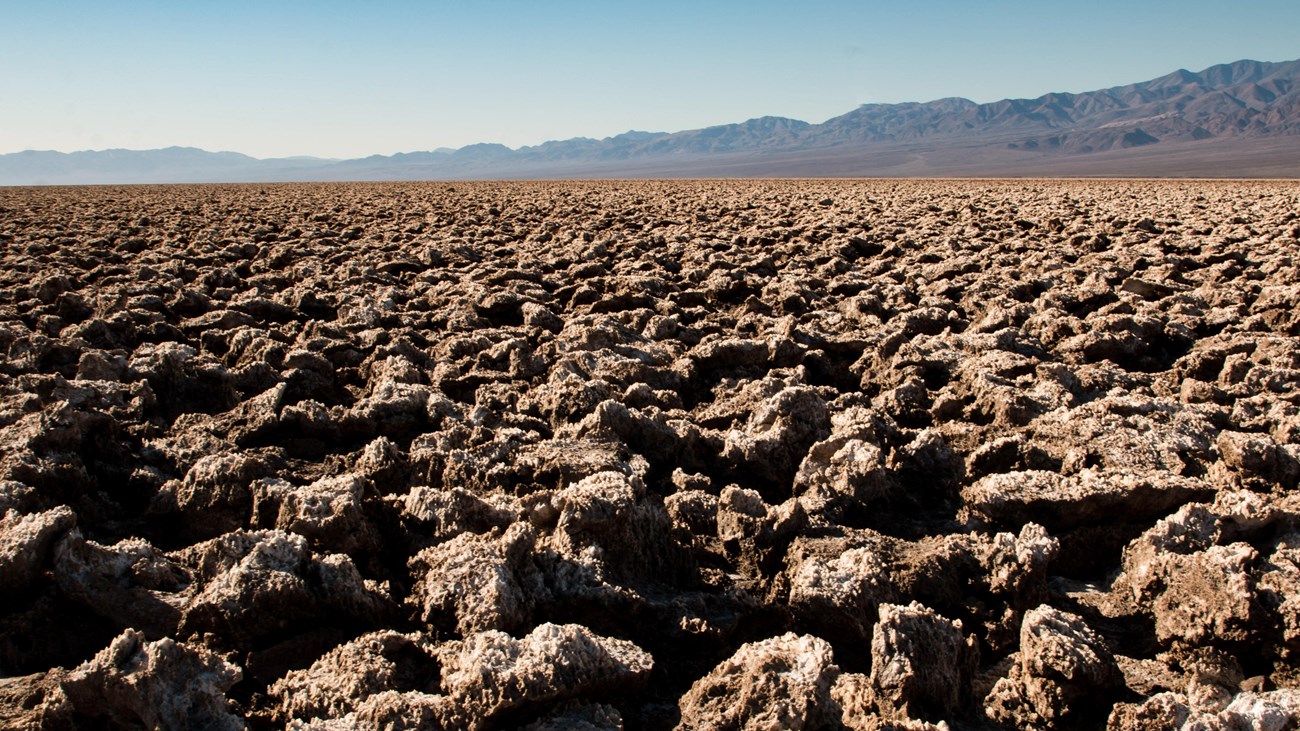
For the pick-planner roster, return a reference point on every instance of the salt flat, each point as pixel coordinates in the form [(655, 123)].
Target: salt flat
[(723, 454)]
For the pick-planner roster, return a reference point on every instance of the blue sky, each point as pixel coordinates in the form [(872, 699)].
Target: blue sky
[(345, 79)]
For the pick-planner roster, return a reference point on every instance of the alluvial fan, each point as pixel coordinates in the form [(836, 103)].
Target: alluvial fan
[(707, 454)]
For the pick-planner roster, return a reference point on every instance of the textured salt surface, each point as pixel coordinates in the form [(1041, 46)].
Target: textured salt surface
[(795, 454)]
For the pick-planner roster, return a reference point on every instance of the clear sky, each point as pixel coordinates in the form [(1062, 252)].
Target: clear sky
[(346, 79)]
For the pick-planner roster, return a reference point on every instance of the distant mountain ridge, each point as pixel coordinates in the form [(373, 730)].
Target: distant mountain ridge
[(1236, 119)]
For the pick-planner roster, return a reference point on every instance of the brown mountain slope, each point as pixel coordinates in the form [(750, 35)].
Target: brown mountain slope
[(1243, 99)]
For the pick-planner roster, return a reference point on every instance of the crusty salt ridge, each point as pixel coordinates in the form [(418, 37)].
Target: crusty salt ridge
[(701, 454)]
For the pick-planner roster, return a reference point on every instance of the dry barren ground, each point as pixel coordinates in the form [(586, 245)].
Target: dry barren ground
[(726, 455)]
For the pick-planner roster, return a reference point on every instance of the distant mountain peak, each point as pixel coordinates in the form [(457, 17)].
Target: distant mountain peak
[(1240, 116)]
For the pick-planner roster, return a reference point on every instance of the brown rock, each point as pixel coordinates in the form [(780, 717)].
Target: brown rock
[(1057, 501), (490, 673), (327, 512), (784, 682), (1279, 709), (844, 592), (779, 433), (693, 511), (1258, 456), (1278, 590), (262, 583), (130, 582), (35, 702), (596, 717), (25, 542), (1208, 595), (353, 672), (478, 582), (435, 516), (215, 496), (921, 664), (1062, 670), (162, 684)]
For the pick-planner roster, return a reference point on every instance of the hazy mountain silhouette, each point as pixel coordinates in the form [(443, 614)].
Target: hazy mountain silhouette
[(1238, 119)]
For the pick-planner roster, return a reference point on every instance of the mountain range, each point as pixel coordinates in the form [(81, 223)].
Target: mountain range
[(1232, 120)]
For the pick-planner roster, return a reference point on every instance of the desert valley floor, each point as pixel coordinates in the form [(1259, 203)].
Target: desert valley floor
[(599, 455)]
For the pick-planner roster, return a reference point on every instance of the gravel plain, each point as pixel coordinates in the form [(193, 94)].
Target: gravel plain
[(697, 454)]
